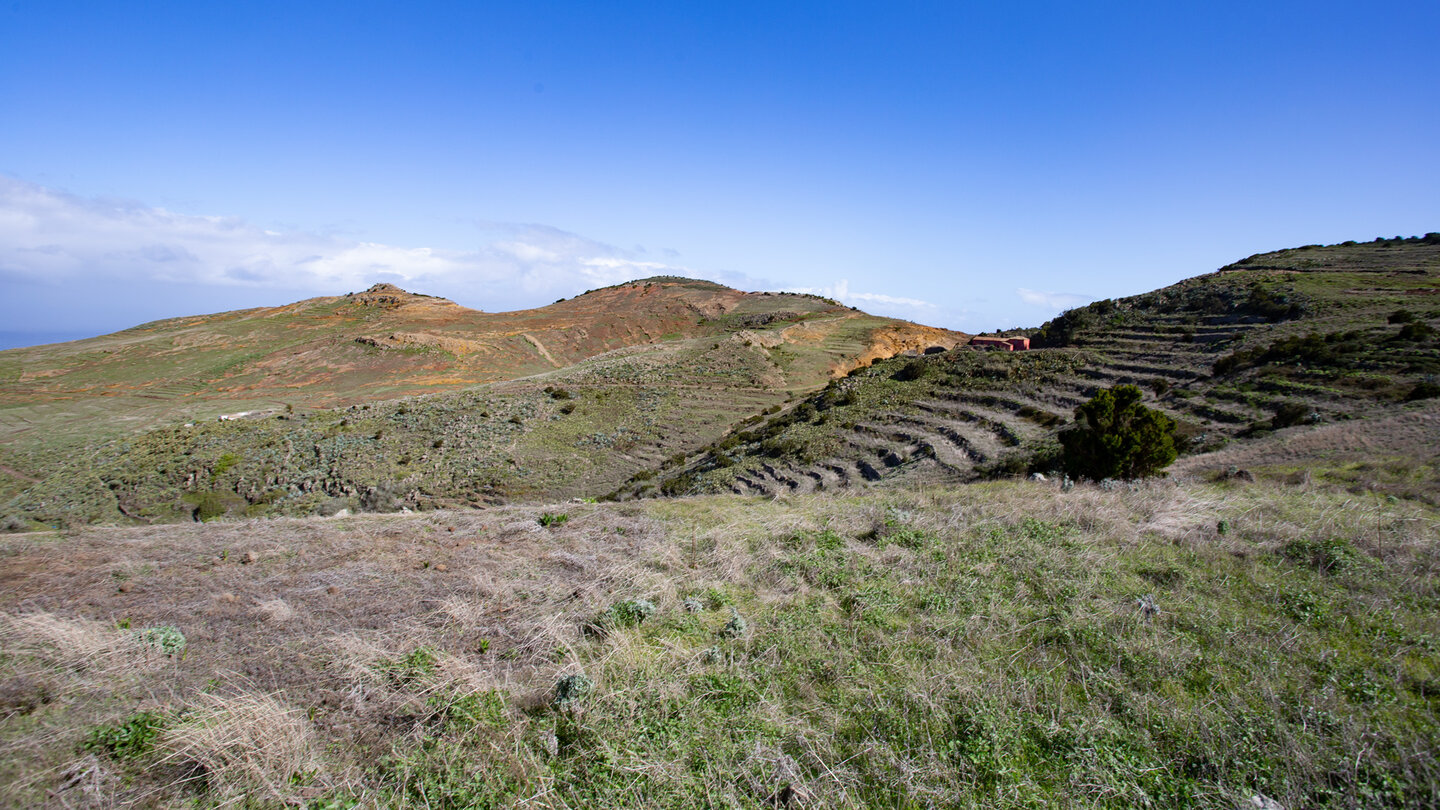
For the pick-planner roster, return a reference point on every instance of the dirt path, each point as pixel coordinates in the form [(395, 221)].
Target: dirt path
[(540, 347), (14, 473)]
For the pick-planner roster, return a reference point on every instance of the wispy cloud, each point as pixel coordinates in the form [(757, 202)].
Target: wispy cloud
[(50, 236), (1053, 301), (841, 291)]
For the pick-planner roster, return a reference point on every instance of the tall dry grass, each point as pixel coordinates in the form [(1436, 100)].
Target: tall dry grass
[(245, 747)]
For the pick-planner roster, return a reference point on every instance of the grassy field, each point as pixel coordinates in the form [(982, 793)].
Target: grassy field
[(1010, 644)]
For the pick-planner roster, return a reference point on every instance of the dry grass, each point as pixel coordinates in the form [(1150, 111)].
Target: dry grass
[(82, 645), (371, 639), (244, 747)]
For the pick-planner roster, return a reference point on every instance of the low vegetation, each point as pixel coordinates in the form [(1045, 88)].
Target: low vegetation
[(1303, 337), (388, 400), (1007, 644)]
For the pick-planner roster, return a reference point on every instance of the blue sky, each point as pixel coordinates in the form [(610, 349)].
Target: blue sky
[(969, 165)]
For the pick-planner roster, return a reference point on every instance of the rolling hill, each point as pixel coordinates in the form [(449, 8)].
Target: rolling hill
[(385, 400), (389, 399)]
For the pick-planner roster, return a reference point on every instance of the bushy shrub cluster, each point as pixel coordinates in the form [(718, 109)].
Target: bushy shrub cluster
[(1331, 350), (1061, 330), (1115, 436)]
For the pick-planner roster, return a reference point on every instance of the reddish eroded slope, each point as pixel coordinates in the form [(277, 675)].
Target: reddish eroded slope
[(386, 343)]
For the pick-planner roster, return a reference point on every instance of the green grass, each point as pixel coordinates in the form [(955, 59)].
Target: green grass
[(1003, 663), (994, 645), (126, 739)]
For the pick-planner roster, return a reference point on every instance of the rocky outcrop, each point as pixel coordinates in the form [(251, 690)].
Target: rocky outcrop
[(890, 341), (420, 341)]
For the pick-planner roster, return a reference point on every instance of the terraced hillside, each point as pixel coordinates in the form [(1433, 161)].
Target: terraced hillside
[(1303, 337), (574, 431)]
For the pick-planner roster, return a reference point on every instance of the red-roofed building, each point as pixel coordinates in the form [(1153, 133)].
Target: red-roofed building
[(1014, 344)]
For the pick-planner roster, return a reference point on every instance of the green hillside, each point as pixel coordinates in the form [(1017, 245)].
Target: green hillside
[(858, 597), (1297, 338), (579, 430)]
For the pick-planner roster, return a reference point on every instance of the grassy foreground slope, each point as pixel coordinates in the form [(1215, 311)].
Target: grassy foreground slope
[(1006, 644), (1303, 337)]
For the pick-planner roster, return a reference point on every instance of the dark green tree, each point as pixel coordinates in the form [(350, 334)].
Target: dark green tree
[(1115, 436)]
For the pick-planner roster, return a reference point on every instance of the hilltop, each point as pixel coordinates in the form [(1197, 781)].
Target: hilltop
[(383, 343)]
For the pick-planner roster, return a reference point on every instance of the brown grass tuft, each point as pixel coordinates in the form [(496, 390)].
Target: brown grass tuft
[(243, 746), (76, 644)]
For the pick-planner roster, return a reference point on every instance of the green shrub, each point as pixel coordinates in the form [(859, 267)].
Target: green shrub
[(126, 739), (1423, 390), (208, 506), (1401, 316), (1115, 436), (549, 519), (628, 613), (1061, 330), (1417, 332), (225, 462), (912, 370), (570, 690), (1290, 413), (736, 627), (1333, 350), (165, 638), (1271, 305), (678, 485)]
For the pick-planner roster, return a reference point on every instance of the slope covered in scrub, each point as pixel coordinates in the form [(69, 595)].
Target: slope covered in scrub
[(580, 396), (1305, 337)]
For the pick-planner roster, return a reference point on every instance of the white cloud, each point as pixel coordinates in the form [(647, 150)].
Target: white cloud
[(50, 237), (840, 291), (612, 263), (1053, 301)]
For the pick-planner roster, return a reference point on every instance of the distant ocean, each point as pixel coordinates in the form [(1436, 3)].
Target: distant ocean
[(15, 340)]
